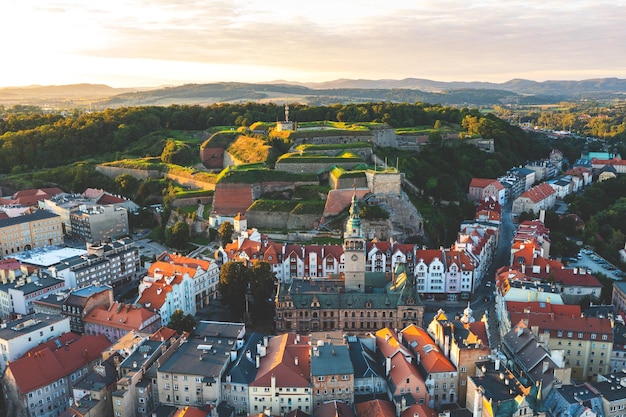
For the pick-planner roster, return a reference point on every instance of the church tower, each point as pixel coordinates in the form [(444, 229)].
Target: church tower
[(354, 250)]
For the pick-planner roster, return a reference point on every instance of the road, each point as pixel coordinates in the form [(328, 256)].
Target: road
[(478, 304)]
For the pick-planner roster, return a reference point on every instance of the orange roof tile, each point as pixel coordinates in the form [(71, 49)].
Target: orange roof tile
[(539, 192), (45, 364), (430, 357), (376, 408), (421, 410), (129, 317), (389, 344), (280, 362)]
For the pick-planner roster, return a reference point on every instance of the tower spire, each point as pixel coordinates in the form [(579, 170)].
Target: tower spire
[(353, 225)]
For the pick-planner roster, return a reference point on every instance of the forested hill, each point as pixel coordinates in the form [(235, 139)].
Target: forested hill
[(31, 141), (241, 92), (343, 91)]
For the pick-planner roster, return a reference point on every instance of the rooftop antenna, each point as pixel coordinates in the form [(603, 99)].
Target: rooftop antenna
[(286, 112)]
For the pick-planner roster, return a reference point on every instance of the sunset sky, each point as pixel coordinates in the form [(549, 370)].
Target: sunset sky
[(126, 43)]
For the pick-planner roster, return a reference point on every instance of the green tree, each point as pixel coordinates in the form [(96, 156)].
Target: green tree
[(182, 323), (177, 236), (174, 153), (225, 232), (233, 286), (127, 185), (262, 282)]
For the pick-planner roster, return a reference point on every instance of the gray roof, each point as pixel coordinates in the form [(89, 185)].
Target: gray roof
[(27, 324), (144, 353), (243, 370), (100, 378), (611, 391), (37, 284), (329, 359), (363, 360), (207, 352), (37, 215), (331, 295)]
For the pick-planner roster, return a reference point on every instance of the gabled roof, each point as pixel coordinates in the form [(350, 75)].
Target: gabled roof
[(421, 410), (376, 408), (430, 357), (45, 364), (280, 362), (401, 370), (481, 182), (186, 261), (389, 344), (364, 361), (538, 192), (120, 316), (334, 409), (33, 196), (428, 255)]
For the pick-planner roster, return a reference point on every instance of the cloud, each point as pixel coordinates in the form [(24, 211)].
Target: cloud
[(445, 39)]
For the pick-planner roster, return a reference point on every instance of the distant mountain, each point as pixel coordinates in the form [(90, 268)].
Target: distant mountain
[(521, 86), (42, 95), (455, 93)]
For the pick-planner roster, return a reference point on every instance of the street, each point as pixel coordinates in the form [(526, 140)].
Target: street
[(487, 287)]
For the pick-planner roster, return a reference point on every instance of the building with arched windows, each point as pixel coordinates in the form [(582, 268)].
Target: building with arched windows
[(355, 300)]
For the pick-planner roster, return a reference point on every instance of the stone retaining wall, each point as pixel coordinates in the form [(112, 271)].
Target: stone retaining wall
[(281, 220), (311, 167), (140, 174)]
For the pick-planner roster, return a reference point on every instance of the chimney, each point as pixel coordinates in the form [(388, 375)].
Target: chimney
[(265, 339), (478, 400), (387, 365), (295, 361), (497, 364), (258, 361), (446, 346), (545, 367), (249, 354)]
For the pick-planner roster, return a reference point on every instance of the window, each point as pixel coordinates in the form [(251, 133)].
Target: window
[(320, 378)]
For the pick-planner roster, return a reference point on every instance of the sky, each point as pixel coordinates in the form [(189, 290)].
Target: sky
[(148, 43)]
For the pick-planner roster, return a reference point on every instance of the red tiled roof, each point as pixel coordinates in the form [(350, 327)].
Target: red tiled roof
[(401, 370), (389, 344), (338, 200), (569, 277), (120, 316), (164, 333), (479, 330), (559, 318), (421, 410), (334, 409), (190, 412), (376, 408), (184, 261), (109, 199), (45, 364), (431, 359), (280, 362), (33, 196), (539, 192), (231, 199), (428, 255), (481, 182), (9, 264), (489, 204), (459, 258)]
